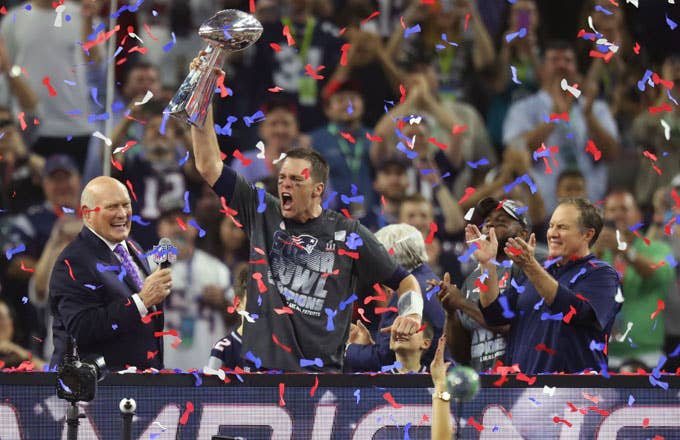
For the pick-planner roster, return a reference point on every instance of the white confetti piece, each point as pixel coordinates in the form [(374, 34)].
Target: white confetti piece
[(550, 391), (571, 89), (260, 146), (146, 98), (666, 130), (210, 372), (621, 338), (281, 157), (58, 20), (633, 2), (106, 140)]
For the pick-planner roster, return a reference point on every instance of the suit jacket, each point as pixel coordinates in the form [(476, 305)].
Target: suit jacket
[(91, 302)]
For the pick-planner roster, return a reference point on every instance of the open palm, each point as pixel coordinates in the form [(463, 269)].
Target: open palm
[(486, 248)]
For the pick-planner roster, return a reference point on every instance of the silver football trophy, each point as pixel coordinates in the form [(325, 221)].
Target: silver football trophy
[(227, 31)]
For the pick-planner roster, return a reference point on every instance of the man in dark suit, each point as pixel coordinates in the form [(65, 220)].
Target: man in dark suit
[(102, 292)]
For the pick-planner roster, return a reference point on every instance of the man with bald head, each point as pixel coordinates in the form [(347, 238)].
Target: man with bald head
[(102, 292)]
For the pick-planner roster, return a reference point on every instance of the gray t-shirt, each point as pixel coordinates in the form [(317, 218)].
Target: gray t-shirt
[(300, 281)]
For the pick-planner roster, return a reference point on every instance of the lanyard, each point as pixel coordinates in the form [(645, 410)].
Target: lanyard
[(306, 38), (352, 158)]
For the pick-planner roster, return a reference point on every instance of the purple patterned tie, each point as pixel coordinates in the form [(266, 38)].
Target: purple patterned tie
[(128, 265)]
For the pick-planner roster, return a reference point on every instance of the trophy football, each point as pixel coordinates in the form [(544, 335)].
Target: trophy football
[(227, 31)]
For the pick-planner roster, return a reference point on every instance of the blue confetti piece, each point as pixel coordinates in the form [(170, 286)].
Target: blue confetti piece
[(603, 10), (513, 70), (656, 372), (17, 250), (480, 162), (201, 231), (122, 273), (309, 362), (535, 401), (496, 428), (412, 30), (636, 226), (70, 83), (198, 381), (410, 154), (330, 314), (676, 352), (575, 277), (92, 286), (549, 262), (671, 24), (348, 301), (350, 109), (507, 313), (24, 299), (539, 304), (98, 117), (138, 219), (658, 383), (114, 326), (169, 45), (604, 372), (385, 368), (254, 359), (164, 123), (261, 205), (354, 241), (357, 394), (104, 268), (187, 208), (406, 428), (466, 256), (631, 400), (183, 160), (329, 199), (548, 317), (519, 34), (256, 117), (226, 130), (433, 291), (596, 346), (668, 93), (93, 93), (66, 210), (225, 30), (61, 382), (645, 78), (28, 7)]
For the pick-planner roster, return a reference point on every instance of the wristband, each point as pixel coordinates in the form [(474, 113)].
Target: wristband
[(410, 303)]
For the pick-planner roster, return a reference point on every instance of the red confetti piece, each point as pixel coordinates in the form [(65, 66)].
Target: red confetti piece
[(305, 173), (559, 420), (151, 354), (660, 305), (311, 71), (658, 80), (373, 138), (524, 378), (382, 296), (348, 137), (403, 23), (402, 91), (282, 389), (277, 342), (354, 255), (289, 37), (514, 251), (467, 21), (170, 332), (457, 129), (483, 287), (258, 250), (148, 31), (187, 412), (181, 223), (645, 422), (147, 319), (141, 50), (430, 235), (26, 269), (438, 144), (276, 89), (649, 155), (238, 155), (3, 10), (543, 347), (176, 343), (251, 6), (501, 380), (592, 149), (370, 17), (117, 165), (327, 274), (468, 192), (636, 48), (597, 54), (22, 122), (564, 116), (594, 399), (662, 108), (581, 297), (220, 84), (344, 49), (132, 190), (275, 46), (284, 310), (50, 89), (391, 401), (257, 276), (70, 270), (472, 422), (312, 391), (569, 315)]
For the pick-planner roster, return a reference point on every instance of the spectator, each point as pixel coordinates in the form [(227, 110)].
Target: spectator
[(442, 428), (471, 341), (20, 170), (589, 119), (390, 185), (200, 292), (571, 184), (408, 248), (409, 350), (575, 288), (52, 55), (645, 284), (234, 244), (279, 133), (15, 92), (31, 230), (13, 355), (344, 143), (226, 353), (158, 175)]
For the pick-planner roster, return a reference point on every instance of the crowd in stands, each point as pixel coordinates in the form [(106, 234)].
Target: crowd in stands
[(422, 110)]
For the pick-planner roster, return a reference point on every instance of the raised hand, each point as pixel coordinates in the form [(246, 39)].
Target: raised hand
[(486, 248), (519, 251), (449, 295)]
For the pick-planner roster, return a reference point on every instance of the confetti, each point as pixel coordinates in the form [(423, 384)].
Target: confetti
[(309, 362), (167, 47), (660, 305), (513, 70), (277, 342), (519, 34), (187, 412), (575, 92), (312, 391), (507, 313), (330, 314), (671, 24), (388, 397), (313, 72)]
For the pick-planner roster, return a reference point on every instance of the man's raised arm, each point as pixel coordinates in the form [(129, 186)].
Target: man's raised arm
[(207, 150)]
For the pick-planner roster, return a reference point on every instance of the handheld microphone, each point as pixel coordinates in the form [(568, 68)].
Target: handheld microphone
[(165, 253)]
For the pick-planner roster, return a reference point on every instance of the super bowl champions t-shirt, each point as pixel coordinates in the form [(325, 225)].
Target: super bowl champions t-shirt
[(302, 278)]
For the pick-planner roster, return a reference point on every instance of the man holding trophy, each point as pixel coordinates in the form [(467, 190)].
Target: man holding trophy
[(306, 261)]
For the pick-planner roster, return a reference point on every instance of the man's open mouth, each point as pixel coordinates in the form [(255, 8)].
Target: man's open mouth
[(286, 200)]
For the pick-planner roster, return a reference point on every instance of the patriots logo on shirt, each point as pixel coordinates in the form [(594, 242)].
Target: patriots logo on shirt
[(304, 241)]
